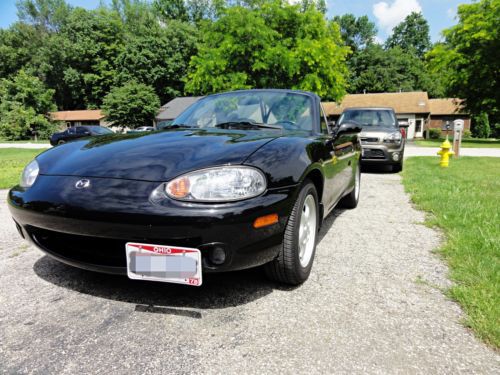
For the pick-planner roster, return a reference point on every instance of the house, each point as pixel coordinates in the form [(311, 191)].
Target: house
[(80, 117), (445, 111), (175, 107), (416, 108)]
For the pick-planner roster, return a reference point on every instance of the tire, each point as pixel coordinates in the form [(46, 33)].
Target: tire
[(351, 200), (397, 167), (294, 262), (61, 142)]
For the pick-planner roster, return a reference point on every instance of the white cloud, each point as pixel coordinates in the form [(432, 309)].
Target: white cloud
[(389, 15)]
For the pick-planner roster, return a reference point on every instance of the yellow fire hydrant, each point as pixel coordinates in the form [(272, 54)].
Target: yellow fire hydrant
[(445, 153)]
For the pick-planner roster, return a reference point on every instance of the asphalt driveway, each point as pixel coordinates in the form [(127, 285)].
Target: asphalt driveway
[(373, 304)]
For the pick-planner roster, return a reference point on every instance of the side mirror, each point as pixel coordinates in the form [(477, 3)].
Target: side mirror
[(348, 127)]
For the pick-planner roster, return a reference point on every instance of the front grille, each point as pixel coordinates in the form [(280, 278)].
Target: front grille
[(373, 154), (94, 250), (369, 140)]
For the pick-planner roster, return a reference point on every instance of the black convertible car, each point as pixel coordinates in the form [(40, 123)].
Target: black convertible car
[(238, 180)]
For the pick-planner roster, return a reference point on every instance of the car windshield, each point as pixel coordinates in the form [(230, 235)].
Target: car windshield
[(101, 130), (372, 117), (285, 111)]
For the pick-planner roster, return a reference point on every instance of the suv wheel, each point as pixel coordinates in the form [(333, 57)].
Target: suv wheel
[(294, 262)]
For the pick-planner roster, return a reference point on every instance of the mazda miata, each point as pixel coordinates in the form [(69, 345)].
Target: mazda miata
[(238, 180)]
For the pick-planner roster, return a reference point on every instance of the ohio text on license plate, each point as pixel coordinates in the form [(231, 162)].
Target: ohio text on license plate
[(169, 264)]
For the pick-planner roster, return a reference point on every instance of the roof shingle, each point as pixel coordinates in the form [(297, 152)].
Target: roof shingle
[(80, 115), (402, 102)]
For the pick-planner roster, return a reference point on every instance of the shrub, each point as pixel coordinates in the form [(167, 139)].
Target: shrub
[(481, 126), (434, 133), (467, 134)]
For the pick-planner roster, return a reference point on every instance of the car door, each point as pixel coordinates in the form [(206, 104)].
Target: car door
[(82, 132), (343, 147), (334, 164)]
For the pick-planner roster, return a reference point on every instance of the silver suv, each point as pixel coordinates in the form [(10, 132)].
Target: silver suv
[(381, 138)]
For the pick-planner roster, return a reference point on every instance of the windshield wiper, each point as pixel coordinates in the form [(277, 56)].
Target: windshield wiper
[(246, 124)]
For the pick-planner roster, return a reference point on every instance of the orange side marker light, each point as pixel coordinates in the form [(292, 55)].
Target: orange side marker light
[(266, 220)]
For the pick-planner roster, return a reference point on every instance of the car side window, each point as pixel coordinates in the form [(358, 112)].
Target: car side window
[(80, 130), (322, 120)]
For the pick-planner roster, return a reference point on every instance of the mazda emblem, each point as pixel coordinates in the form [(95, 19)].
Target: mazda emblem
[(82, 184)]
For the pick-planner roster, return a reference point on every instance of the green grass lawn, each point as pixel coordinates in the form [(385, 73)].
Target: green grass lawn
[(12, 162), (467, 143), (464, 201)]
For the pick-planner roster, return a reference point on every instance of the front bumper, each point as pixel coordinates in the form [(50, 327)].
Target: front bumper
[(88, 228), (382, 153)]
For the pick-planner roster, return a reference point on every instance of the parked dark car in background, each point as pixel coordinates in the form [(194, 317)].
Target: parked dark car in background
[(382, 138), (238, 180), (78, 132), (141, 129)]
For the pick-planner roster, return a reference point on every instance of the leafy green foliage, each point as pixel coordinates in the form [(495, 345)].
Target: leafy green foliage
[(159, 59), (272, 45), (411, 35), (481, 128), (434, 133), (357, 33), (24, 106), (131, 105), (375, 69), (468, 58)]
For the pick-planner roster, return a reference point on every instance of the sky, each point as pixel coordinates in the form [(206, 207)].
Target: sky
[(384, 13)]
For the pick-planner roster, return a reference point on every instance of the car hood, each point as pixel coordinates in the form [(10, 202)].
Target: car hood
[(157, 156)]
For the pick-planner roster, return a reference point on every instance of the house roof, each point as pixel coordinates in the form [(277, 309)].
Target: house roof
[(449, 106), (175, 107), (402, 102), (80, 115)]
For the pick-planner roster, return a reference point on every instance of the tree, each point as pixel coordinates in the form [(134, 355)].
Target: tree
[(375, 69), (357, 33), (271, 45), (24, 106), (159, 59), (411, 35), (131, 105), (481, 127), (468, 58), (48, 15), (86, 50)]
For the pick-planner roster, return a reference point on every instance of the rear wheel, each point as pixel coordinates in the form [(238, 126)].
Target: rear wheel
[(351, 200), (61, 142), (294, 262)]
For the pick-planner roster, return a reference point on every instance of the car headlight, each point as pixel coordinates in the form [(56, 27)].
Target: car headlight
[(393, 138), (219, 184), (29, 175)]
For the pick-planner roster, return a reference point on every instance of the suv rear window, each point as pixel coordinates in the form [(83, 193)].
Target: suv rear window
[(372, 117)]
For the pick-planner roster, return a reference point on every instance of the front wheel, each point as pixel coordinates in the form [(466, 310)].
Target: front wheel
[(351, 200), (294, 262)]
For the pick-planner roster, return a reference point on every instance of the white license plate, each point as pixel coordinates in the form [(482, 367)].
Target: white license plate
[(168, 264)]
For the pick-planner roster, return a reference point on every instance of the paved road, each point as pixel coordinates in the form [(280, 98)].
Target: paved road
[(373, 304), (412, 150), (25, 145)]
